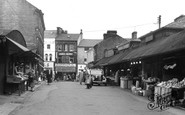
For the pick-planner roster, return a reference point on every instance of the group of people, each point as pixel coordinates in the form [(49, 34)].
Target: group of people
[(84, 76)]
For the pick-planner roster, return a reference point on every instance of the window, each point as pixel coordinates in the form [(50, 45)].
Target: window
[(85, 59), (48, 46), (65, 47), (60, 47), (59, 59), (65, 59), (71, 47), (46, 57), (50, 57), (71, 59), (86, 48)]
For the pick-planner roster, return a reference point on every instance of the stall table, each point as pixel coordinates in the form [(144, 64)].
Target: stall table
[(13, 84)]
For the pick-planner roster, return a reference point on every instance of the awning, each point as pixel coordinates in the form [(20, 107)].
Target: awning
[(117, 58), (102, 62), (14, 47)]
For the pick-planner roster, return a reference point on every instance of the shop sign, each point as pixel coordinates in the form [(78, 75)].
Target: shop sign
[(65, 68), (65, 65), (65, 53)]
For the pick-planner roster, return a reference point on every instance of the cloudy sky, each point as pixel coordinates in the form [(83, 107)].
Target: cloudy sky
[(95, 17)]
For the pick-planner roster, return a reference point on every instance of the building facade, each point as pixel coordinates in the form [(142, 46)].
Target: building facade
[(86, 52), (66, 54), (110, 41), (49, 51)]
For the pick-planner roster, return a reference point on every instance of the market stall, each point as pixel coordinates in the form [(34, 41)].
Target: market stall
[(168, 93), (16, 83)]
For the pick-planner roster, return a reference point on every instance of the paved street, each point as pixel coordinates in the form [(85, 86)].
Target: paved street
[(70, 98)]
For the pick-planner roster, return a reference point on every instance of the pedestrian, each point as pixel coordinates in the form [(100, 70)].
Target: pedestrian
[(81, 76), (89, 82), (48, 77), (31, 80)]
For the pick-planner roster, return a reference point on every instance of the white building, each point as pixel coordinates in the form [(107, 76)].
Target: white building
[(49, 50)]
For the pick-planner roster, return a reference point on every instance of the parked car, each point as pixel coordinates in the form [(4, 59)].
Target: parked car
[(98, 77), (99, 80)]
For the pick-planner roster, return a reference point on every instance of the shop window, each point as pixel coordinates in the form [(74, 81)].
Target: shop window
[(65, 59), (59, 59)]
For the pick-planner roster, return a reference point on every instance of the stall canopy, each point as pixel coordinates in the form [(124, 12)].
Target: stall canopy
[(14, 40), (102, 62), (14, 47)]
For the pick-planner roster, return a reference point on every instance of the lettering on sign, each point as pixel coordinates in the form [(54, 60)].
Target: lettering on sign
[(65, 53), (65, 65)]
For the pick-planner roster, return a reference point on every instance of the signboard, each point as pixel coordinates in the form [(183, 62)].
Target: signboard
[(149, 38), (65, 53), (65, 67)]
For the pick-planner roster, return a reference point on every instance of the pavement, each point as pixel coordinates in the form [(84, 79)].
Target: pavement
[(9, 102)]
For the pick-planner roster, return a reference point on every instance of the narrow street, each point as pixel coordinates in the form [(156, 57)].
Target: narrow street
[(71, 98)]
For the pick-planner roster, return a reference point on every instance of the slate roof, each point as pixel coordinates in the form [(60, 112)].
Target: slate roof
[(179, 22), (169, 44), (89, 42), (50, 34), (69, 37)]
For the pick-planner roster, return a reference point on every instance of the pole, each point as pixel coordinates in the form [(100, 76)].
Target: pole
[(159, 21)]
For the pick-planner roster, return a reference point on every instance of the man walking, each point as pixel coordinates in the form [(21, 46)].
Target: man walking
[(81, 76)]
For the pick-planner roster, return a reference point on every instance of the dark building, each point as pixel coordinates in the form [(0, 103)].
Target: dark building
[(66, 54)]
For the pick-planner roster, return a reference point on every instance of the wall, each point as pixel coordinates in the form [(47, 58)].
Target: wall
[(23, 16), (90, 55), (81, 55), (109, 43)]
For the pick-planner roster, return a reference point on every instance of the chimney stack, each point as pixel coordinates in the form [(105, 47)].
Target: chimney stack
[(134, 35), (110, 33), (59, 30)]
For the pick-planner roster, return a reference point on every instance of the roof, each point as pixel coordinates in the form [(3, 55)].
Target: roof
[(50, 34), (89, 42), (102, 62), (170, 44), (179, 22), (4, 32), (69, 37)]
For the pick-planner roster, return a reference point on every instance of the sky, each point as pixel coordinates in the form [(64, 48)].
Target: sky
[(95, 17)]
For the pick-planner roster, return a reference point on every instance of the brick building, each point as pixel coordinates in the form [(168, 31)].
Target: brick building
[(66, 54), (110, 41)]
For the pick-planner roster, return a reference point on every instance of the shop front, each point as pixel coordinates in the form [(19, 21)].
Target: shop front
[(66, 72)]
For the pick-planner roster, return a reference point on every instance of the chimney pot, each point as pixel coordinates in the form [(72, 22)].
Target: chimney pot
[(134, 35)]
